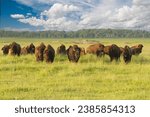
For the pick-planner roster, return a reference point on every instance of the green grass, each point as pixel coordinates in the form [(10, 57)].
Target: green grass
[(91, 78)]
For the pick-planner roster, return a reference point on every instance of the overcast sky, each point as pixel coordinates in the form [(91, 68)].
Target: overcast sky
[(74, 14)]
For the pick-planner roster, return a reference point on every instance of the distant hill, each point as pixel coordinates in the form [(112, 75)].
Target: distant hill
[(84, 33)]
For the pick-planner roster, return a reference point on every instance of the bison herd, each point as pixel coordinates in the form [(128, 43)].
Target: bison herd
[(47, 53)]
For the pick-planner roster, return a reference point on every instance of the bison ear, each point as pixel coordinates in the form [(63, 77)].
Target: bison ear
[(2, 48)]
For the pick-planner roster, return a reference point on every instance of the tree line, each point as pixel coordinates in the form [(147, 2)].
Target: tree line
[(84, 33)]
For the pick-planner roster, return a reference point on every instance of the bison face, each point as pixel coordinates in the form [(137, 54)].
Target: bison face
[(33, 51), (32, 48), (140, 46), (100, 53), (77, 52), (40, 56), (127, 54), (62, 47), (5, 50), (73, 53)]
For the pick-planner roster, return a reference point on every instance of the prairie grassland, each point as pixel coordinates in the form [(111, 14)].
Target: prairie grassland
[(91, 78)]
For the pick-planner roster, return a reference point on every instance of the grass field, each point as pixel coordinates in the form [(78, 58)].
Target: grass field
[(91, 78)]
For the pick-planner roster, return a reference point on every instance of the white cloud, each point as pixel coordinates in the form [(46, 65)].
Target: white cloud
[(16, 29), (17, 16), (99, 16), (137, 16), (58, 17), (141, 2), (32, 21), (74, 15), (59, 10)]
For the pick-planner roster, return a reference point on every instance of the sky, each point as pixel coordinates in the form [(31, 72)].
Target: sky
[(71, 15)]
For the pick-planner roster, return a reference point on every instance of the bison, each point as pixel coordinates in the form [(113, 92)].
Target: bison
[(136, 50), (15, 49), (31, 49), (28, 50), (95, 49), (5, 49), (73, 53), (113, 51), (49, 54), (127, 54), (61, 50), (39, 52)]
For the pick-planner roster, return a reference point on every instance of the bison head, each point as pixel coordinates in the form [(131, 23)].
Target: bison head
[(76, 51), (5, 49), (140, 46), (100, 51), (127, 54)]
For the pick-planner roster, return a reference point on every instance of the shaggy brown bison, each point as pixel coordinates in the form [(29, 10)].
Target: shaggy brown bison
[(136, 50), (39, 52), (82, 52), (49, 54), (127, 54), (95, 49), (5, 49), (61, 50), (28, 50), (113, 51), (31, 48), (15, 49), (73, 53)]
